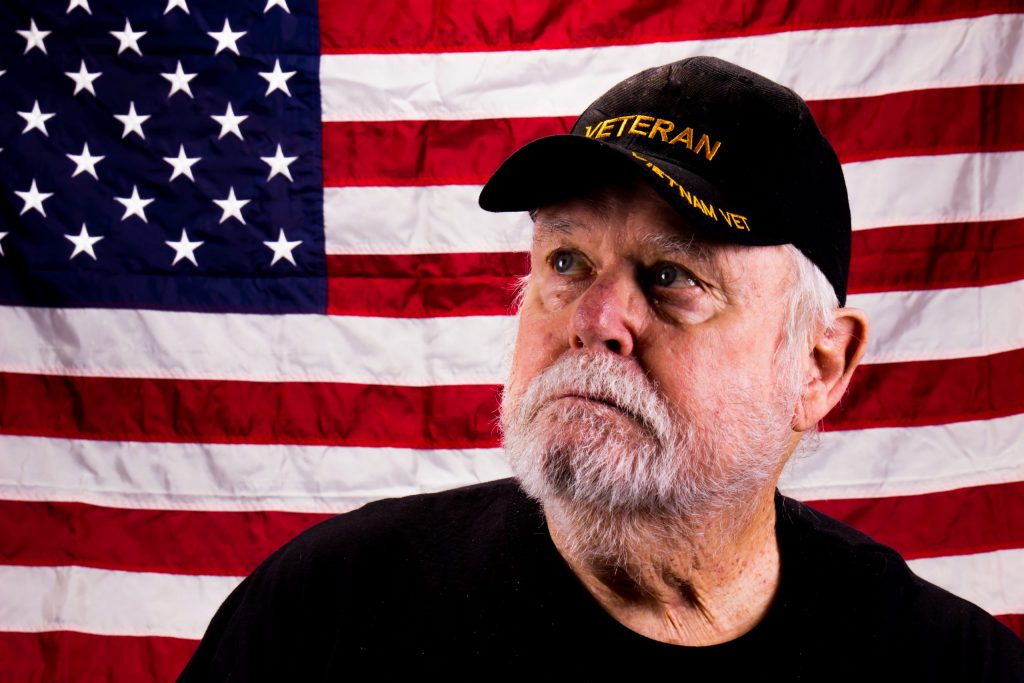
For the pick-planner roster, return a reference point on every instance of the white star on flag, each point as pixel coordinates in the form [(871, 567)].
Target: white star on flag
[(184, 249), (182, 164), (83, 79), (2, 236), (277, 79), (83, 242), (85, 162), (129, 38), (179, 81), (35, 119), (226, 38), (229, 122), (279, 164), (282, 248), (134, 205), (132, 122), (33, 199), (34, 37), (180, 4), (232, 206), (276, 3), (84, 4)]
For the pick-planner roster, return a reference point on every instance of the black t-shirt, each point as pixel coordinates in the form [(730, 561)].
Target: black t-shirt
[(468, 582)]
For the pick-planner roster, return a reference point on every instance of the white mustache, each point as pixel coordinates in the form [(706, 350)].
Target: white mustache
[(603, 378)]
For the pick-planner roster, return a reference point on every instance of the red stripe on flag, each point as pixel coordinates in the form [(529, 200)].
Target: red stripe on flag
[(130, 409), (937, 256), (1014, 622), (942, 121), (922, 122), (72, 657), (172, 541), (426, 152), (932, 392), (464, 416), (464, 25), (424, 285), (960, 522)]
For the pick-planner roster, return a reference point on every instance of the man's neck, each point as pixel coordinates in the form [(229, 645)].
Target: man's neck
[(702, 587)]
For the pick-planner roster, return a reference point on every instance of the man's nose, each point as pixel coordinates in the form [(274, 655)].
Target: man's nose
[(608, 315)]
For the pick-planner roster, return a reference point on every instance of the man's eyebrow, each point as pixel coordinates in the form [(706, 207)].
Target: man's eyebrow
[(687, 246), (557, 224)]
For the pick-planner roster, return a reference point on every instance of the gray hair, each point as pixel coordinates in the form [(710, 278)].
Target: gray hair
[(811, 301), (810, 304)]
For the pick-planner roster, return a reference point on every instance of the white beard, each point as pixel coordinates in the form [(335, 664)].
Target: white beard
[(621, 486)]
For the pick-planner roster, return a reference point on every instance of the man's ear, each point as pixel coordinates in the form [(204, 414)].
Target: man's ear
[(836, 353)]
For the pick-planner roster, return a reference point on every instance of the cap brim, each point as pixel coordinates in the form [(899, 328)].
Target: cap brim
[(560, 167)]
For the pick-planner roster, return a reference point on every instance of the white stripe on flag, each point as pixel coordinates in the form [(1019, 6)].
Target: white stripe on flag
[(901, 461), (992, 581), (849, 464), (446, 218), (187, 476), (946, 188), (163, 344), (943, 323), (109, 602), (818, 64), (434, 219), (93, 600)]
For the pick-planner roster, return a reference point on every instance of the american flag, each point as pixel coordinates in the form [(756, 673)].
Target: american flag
[(244, 283)]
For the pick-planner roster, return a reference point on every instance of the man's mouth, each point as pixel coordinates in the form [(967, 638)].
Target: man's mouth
[(571, 395), (594, 399), (637, 418)]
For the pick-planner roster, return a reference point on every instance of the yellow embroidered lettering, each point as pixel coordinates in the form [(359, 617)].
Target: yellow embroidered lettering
[(602, 128), (726, 215), (651, 127), (662, 128), (699, 203), (640, 123), (709, 151), (707, 208), (685, 136), (686, 195)]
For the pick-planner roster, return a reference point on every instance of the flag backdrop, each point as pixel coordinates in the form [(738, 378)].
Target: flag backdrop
[(244, 283)]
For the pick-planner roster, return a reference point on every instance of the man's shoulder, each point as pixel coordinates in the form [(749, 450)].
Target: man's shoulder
[(476, 505), (840, 555), (409, 527), (868, 589), (831, 541), (387, 577)]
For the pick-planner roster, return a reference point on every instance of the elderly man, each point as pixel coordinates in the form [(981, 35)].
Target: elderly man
[(680, 332)]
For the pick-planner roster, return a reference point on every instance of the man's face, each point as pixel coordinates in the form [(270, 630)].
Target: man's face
[(644, 378)]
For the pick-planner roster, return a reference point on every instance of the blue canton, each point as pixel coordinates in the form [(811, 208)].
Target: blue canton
[(162, 154)]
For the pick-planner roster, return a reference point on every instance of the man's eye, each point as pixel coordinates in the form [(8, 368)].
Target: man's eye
[(564, 261), (668, 275)]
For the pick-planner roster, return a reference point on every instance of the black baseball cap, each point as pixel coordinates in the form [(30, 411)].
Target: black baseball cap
[(737, 155)]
